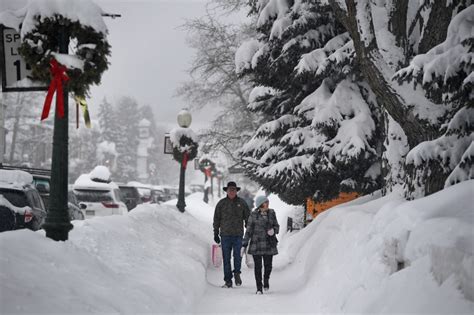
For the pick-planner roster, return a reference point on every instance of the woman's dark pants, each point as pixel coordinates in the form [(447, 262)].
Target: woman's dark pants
[(267, 266)]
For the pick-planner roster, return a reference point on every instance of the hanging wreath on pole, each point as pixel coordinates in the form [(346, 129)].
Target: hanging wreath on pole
[(88, 48), (185, 147)]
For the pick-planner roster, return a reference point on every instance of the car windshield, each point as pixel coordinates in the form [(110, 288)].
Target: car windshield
[(86, 195), (15, 197)]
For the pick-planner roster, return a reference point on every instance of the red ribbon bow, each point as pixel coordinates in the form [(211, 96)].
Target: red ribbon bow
[(185, 159), (59, 75)]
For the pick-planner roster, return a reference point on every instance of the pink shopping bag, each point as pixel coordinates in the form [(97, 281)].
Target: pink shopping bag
[(216, 255)]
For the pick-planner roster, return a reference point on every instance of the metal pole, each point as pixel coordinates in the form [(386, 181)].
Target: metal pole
[(58, 224), (181, 203), (3, 143)]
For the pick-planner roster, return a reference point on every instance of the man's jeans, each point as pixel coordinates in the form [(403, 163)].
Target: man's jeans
[(229, 244)]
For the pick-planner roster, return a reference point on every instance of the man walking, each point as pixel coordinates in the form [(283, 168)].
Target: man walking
[(229, 217)]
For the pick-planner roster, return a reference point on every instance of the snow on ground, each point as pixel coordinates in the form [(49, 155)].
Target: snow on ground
[(373, 255)]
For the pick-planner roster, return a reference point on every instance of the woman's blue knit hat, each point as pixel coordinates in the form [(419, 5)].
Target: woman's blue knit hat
[(260, 200)]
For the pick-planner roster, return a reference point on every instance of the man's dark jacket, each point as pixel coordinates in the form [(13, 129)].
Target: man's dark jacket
[(229, 216)]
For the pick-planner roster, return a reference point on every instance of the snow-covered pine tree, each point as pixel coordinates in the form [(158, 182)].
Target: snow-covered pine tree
[(324, 131), (108, 122), (382, 37), (127, 143), (83, 150), (388, 36), (446, 74)]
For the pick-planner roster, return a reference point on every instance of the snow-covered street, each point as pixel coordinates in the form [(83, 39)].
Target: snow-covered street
[(373, 255)]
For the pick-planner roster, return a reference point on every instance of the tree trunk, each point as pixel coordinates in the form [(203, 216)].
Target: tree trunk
[(372, 64), (437, 26)]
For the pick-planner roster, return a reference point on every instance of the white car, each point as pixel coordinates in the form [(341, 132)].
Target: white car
[(98, 198)]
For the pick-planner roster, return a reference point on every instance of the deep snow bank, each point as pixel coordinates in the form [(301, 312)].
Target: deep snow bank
[(152, 260), (388, 255)]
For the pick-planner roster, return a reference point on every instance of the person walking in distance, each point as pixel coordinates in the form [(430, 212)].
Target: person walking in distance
[(261, 234), (230, 215)]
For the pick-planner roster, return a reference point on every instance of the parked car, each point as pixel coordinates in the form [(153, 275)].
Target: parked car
[(158, 194), (98, 198), (130, 195), (41, 181), (20, 203), (143, 189), (75, 212)]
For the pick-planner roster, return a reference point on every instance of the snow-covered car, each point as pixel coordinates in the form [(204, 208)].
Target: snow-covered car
[(42, 181), (143, 189), (130, 195), (98, 197), (75, 212), (20, 203)]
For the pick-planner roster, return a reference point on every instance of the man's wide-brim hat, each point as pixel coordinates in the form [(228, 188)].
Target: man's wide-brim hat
[(231, 184)]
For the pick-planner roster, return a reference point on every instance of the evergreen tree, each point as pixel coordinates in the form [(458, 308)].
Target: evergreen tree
[(321, 134), (341, 81), (83, 151), (108, 122), (127, 141)]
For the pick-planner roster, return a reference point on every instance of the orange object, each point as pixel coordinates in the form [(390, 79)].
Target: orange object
[(314, 208)]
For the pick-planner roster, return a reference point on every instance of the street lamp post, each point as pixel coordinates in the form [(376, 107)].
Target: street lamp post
[(184, 121), (57, 224)]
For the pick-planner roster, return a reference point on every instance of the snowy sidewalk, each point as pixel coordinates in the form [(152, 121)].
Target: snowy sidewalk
[(243, 300)]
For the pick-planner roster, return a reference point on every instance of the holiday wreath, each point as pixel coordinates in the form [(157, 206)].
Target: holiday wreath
[(90, 47), (186, 146)]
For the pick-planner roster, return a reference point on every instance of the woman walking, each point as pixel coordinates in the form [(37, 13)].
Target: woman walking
[(261, 233)]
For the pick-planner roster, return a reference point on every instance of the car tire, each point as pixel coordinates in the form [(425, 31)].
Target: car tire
[(7, 219)]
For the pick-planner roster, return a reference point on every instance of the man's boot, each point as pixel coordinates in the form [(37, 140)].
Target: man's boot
[(266, 285), (238, 281)]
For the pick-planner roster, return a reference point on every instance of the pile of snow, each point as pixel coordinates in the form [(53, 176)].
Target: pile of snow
[(372, 255), (387, 255), (99, 177), (15, 177), (152, 260), (177, 133), (100, 173), (85, 11)]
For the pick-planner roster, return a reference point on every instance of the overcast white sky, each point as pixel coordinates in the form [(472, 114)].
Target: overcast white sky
[(149, 55)]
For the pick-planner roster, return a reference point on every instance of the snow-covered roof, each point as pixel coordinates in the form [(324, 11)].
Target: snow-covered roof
[(101, 173), (144, 123), (138, 184), (15, 179), (85, 182)]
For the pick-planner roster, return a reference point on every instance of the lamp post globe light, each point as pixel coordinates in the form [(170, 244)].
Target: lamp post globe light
[(184, 118), (184, 121)]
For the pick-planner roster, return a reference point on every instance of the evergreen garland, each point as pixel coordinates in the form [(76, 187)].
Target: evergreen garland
[(92, 48), (205, 163), (186, 144)]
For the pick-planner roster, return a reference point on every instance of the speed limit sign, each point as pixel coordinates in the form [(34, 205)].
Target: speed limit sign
[(15, 72)]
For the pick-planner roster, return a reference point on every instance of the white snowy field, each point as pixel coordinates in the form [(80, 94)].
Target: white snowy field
[(374, 255)]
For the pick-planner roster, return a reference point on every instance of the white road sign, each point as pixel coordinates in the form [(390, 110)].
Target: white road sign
[(14, 68)]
